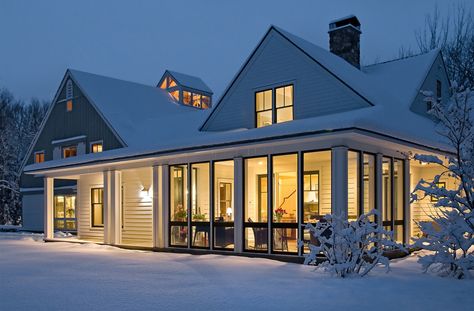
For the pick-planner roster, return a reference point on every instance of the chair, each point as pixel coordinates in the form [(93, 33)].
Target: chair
[(260, 236)]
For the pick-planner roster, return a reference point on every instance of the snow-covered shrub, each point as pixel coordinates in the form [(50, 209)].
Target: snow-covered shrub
[(449, 239), (349, 248), (450, 233)]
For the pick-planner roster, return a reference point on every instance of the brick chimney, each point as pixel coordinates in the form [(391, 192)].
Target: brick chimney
[(344, 39)]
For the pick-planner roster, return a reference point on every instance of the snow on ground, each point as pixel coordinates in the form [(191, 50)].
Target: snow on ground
[(64, 276)]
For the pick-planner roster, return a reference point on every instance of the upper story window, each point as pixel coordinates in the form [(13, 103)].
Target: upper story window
[(96, 147), (274, 105), (39, 157), (69, 151), (69, 95)]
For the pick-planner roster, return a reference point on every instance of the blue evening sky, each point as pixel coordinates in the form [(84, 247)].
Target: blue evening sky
[(138, 40)]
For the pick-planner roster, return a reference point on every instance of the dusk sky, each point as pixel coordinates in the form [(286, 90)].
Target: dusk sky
[(138, 40)]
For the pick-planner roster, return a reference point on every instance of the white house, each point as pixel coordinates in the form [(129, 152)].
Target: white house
[(299, 132)]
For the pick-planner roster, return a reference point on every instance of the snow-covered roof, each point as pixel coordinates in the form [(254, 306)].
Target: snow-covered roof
[(157, 125), (190, 81), (141, 115)]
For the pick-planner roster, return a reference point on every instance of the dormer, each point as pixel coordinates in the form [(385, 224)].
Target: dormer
[(186, 90)]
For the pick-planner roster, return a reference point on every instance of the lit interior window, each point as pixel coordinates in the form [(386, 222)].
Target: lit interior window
[(39, 157), (96, 147), (163, 84), (175, 95), (70, 151), (264, 108), (69, 105), (205, 102), (186, 97), (171, 82), (197, 100), (284, 104)]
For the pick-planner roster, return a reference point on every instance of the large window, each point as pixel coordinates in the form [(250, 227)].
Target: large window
[(65, 212), (224, 204), (285, 204), (369, 183), (353, 188), (178, 206), (256, 205), (97, 207), (316, 191), (393, 197), (274, 105), (200, 206)]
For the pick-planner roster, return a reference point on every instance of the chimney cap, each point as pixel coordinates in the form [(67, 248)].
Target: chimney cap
[(350, 20)]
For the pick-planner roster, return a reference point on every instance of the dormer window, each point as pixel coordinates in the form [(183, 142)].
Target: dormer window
[(186, 90), (274, 105)]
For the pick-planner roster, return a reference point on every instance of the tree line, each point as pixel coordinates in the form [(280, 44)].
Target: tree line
[(19, 123)]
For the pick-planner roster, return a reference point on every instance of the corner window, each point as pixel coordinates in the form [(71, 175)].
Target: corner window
[(97, 207), (274, 105), (39, 157), (96, 147), (69, 151)]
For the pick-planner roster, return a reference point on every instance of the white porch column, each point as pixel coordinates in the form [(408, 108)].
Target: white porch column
[(48, 208), (378, 186), (238, 206), (164, 203), (406, 205), (339, 177), (158, 220), (112, 207), (107, 208), (115, 207)]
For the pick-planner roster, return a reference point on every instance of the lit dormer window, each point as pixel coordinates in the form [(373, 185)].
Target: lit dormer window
[(186, 89)]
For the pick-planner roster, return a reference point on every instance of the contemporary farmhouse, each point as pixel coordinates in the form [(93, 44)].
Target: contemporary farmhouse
[(299, 132)]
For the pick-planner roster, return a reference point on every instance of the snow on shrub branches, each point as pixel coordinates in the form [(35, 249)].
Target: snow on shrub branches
[(349, 248), (450, 233)]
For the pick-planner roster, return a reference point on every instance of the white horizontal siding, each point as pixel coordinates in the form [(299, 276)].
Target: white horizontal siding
[(137, 207), (83, 208), (316, 92)]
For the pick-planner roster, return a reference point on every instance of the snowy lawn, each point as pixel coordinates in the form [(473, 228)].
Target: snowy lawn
[(65, 276)]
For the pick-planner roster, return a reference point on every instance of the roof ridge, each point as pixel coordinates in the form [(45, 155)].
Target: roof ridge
[(401, 58), (107, 77)]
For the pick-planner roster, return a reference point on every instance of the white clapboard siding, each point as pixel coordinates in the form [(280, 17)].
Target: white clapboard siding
[(137, 207), (83, 207)]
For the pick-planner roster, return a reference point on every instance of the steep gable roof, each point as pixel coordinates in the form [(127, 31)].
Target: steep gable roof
[(189, 81), (404, 76), (140, 114)]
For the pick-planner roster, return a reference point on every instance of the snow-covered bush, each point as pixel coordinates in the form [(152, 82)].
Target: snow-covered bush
[(450, 233), (349, 248)]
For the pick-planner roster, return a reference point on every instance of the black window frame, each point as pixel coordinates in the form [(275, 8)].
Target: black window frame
[(93, 204), (274, 109)]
